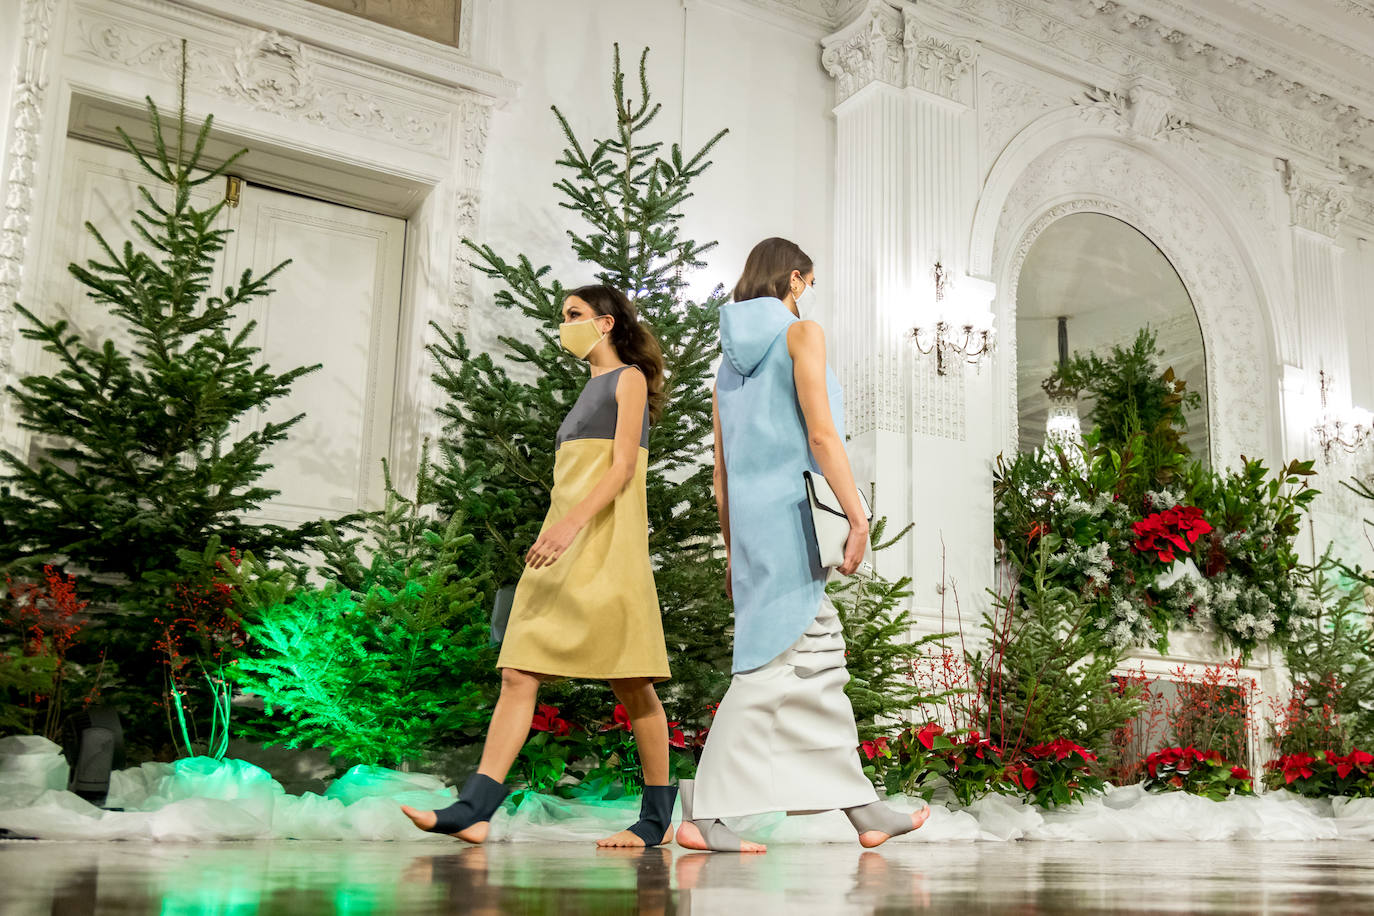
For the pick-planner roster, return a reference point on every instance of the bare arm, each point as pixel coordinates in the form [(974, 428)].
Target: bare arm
[(806, 344), (721, 487), (631, 393)]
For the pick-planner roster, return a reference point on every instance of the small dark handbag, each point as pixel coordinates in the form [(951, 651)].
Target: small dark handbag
[(500, 613)]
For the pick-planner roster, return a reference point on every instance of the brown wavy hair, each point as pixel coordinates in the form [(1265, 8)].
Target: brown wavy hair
[(768, 269), (633, 341)]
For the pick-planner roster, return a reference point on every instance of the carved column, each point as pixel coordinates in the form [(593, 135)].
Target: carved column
[(1318, 206), (905, 185), (18, 168)]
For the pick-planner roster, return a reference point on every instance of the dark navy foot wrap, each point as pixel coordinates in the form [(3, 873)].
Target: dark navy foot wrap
[(655, 814), (478, 801)]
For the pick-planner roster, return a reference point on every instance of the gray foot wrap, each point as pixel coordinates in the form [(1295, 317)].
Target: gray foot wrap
[(878, 816), (718, 837)]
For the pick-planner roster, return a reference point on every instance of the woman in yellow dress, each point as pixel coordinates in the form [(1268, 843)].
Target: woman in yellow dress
[(586, 606)]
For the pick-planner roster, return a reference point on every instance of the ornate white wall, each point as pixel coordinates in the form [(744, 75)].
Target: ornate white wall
[(1239, 174), (882, 135), (369, 117)]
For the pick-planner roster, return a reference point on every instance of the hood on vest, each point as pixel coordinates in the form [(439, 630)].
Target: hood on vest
[(748, 329)]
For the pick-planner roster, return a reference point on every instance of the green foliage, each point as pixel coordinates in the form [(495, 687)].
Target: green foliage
[(1205, 773), (21, 678), (879, 649), (141, 453), (384, 662), (596, 760), (1135, 403), (496, 455), (925, 758), (1242, 579), (1047, 671), (1051, 774), (1324, 774), (1331, 658)]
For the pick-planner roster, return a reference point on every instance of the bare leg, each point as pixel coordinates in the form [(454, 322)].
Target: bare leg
[(510, 726), (650, 724)]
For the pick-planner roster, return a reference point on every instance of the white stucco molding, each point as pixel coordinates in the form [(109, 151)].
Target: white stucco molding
[(466, 66), (1320, 203), (890, 42), (1062, 164), (375, 107)]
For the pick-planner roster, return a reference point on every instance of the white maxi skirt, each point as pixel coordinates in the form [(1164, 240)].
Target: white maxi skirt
[(784, 737)]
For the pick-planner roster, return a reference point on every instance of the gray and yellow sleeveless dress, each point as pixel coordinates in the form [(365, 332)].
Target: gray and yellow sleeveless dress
[(593, 613)]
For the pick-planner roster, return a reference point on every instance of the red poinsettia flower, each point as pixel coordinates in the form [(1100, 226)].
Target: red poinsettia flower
[(1176, 781), (870, 749), (546, 720), (621, 720), (927, 735), (1241, 773), (675, 736), (1169, 530), (1028, 777), (1296, 766)]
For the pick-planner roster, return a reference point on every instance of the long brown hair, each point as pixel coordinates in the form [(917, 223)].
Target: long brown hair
[(768, 269), (631, 339)]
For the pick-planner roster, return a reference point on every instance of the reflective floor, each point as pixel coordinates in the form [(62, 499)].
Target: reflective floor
[(302, 878)]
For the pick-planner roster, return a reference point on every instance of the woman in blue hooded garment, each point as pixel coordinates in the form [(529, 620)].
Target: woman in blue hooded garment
[(784, 737)]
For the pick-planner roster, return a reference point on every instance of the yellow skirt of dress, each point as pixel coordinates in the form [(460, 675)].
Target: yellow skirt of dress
[(594, 612)]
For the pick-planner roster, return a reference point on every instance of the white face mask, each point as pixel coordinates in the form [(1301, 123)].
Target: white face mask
[(806, 301)]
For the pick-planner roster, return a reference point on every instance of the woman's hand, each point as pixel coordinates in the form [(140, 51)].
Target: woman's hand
[(854, 547), (552, 542)]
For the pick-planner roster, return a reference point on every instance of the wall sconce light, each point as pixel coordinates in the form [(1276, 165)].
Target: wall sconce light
[(953, 333), (1348, 432)]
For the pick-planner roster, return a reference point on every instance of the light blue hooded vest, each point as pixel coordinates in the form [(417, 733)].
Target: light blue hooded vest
[(777, 578)]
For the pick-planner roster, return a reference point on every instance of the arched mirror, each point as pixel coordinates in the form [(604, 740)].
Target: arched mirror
[(1106, 281)]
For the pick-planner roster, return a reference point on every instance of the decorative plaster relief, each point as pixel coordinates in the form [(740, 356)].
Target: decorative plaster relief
[(870, 49), (940, 403), (1319, 205), (934, 64), (1067, 34), (269, 72), (1111, 178), (893, 46), (466, 208), (1007, 103), (28, 93), (874, 394), (1139, 110)]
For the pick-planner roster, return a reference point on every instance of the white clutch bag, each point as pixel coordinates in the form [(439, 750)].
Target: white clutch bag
[(828, 520)]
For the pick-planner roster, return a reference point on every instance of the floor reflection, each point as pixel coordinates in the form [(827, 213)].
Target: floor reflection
[(303, 878)]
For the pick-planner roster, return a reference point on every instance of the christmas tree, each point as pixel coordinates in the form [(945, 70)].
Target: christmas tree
[(496, 464), (140, 458), (879, 650), (386, 660)]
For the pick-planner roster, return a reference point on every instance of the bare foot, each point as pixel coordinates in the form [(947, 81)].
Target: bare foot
[(626, 838), (689, 837), (426, 820), (870, 838)]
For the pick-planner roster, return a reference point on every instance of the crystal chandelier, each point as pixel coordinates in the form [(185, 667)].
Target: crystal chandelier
[(1347, 432), (953, 334)]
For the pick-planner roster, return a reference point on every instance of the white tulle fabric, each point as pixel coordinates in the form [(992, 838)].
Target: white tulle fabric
[(199, 799)]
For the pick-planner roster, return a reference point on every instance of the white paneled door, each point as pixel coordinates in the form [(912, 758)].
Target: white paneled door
[(337, 303)]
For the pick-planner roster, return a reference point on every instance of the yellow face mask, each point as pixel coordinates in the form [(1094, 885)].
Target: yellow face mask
[(580, 337)]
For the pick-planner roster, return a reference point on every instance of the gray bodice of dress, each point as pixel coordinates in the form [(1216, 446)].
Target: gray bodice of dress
[(593, 414)]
